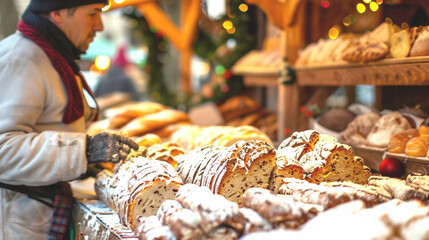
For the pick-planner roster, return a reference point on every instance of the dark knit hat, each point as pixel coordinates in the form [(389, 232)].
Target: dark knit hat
[(41, 6)]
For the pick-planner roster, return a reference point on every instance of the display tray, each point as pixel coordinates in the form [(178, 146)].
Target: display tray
[(93, 219), (390, 71), (373, 156)]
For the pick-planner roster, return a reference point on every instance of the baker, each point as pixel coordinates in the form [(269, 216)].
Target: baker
[(45, 108)]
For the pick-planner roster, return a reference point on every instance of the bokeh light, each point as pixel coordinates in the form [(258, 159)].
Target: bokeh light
[(227, 25), (334, 32), (379, 2), (360, 7), (102, 62), (118, 1), (219, 69), (373, 6), (243, 7), (324, 4), (231, 31), (366, 1)]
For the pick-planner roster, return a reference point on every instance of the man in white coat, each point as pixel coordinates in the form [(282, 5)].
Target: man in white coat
[(45, 108)]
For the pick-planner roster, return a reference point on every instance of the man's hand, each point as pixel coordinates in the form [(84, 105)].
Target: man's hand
[(108, 147)]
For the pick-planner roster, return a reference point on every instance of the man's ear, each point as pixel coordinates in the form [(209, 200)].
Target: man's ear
[(57, 16)]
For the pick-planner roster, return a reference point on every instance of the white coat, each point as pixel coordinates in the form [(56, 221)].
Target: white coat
[(36, 147)]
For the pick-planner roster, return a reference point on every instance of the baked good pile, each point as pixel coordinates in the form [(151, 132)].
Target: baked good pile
[(250, 187)]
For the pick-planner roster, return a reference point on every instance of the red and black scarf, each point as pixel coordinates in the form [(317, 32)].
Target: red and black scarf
[(62, 54)]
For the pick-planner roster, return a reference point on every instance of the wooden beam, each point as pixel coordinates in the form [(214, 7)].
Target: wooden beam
[(113, 5), (159, 20)]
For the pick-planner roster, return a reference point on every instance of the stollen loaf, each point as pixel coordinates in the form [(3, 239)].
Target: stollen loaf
[(137, 188), (324, 159), (229, 171)]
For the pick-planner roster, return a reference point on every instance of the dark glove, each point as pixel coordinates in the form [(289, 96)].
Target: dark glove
[(108, 147)]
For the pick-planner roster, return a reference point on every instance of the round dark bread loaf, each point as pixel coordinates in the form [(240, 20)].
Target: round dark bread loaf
[(336, 119)]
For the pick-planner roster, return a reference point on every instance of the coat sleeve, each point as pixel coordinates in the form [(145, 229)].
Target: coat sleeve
[(27, 156)]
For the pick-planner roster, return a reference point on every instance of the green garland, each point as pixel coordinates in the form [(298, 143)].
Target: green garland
[(207, 46), (157, 46)]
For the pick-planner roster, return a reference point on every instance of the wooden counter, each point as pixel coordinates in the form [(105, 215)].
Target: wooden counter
[(93, 219)]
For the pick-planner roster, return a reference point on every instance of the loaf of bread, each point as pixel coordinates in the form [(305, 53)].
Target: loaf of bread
[(155, 121), (238, 106), (213, 209), (285, 167), (389, 220), (128, 112), (150, 228), (168, 130), (387, 126), (356, 132), (274, 209), (382, 33), (199, 136), (400, 44), (336, 119), (327, 196), (185, 224), (253, 222), (363, 51), (137, 187), (420, 46), (229, 171), (299, 143), (323, 158), (397, 188), (418, 181)]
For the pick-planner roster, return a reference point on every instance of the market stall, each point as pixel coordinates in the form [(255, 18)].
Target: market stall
[(238, 181)]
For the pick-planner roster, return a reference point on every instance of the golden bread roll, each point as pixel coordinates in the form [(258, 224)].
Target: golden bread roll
[(166, 131), (130, 112), (154, 121), (424, 127), (398, 142), (148, 140), (238, 106), (416, 147)]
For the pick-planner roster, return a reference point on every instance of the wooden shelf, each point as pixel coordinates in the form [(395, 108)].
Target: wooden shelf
[(373, 157), (394, 72)]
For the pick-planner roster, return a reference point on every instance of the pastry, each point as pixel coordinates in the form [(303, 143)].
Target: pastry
[(398, 142), (424, 127), (417, 147)]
